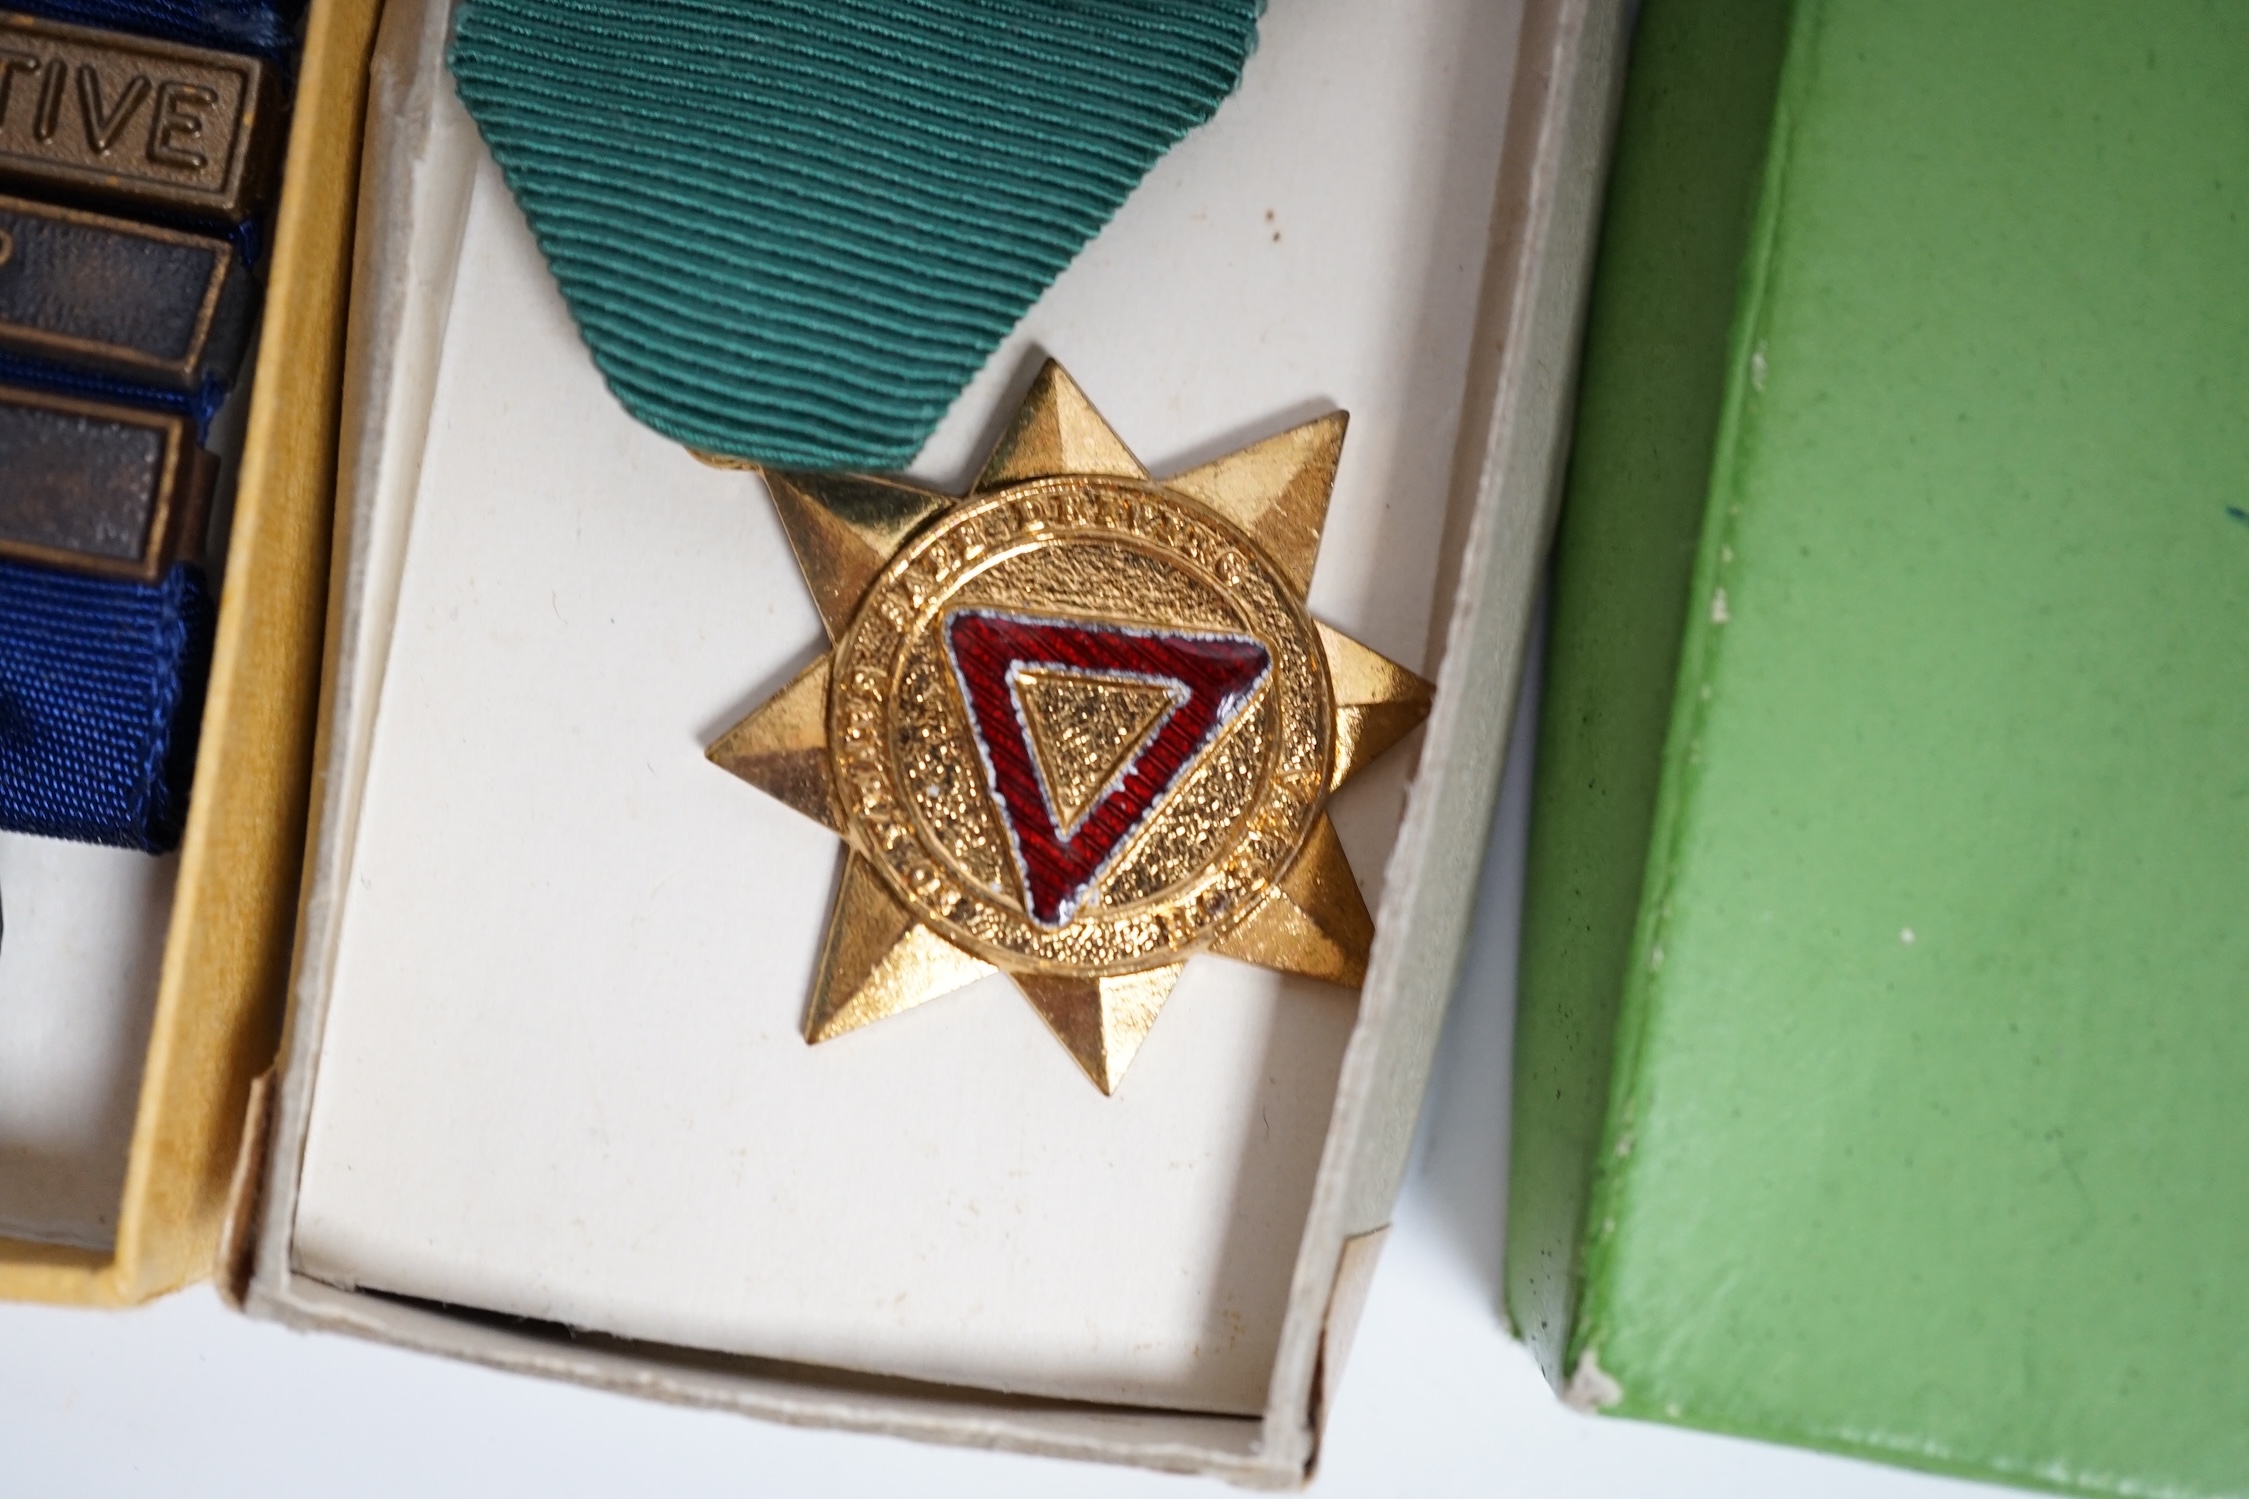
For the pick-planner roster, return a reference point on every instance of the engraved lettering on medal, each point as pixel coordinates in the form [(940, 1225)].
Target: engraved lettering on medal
[(50, 100), (181, 118), (12, 64), (105, 124)]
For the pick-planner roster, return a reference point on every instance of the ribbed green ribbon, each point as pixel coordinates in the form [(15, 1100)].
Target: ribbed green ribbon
[(792, 230)]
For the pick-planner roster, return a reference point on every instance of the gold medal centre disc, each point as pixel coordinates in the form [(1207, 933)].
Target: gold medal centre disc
[(1180, 801)]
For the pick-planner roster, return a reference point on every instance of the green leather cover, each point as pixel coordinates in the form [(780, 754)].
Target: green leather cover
[(1882, 1076)]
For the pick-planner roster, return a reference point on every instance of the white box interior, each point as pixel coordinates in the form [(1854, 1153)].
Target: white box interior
[(560, 1074), (417, 183), (78, 970)]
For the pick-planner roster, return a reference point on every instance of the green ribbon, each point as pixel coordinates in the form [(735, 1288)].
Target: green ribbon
[(792, 230)]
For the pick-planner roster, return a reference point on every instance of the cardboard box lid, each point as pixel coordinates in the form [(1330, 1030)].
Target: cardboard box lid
[(1922, 1134), (217, 1010)]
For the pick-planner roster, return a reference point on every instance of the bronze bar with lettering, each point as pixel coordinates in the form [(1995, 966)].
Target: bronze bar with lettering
[(98, 487), (89, 292), (148, 126)]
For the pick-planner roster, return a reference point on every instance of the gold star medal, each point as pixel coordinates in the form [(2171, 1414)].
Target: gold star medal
[(1075, 726)]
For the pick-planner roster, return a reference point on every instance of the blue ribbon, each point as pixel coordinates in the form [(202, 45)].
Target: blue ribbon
[(201, 406), (263, 27), (101, 689)]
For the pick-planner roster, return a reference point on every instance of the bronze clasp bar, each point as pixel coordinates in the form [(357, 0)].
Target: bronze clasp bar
[(147, 126), (151, 305), (99, 488)]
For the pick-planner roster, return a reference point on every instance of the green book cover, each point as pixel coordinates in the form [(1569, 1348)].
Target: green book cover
[(1882, 1069)]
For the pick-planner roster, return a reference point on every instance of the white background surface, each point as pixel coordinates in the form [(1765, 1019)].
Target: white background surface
[(185, 1399)]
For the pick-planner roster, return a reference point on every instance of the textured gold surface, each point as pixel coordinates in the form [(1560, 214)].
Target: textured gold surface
[(845, 528), (1277, 490), (782, 748), (879, 961), (154, 128), (1237, 857), (1377, 702), (1101, 1020), (1085, 731), (1314, 923), (1057, 432), (1107, 551)]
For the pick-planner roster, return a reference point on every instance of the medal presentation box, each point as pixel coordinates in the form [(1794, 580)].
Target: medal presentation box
[(158, 985), (1881, 1043), (545, 1100)]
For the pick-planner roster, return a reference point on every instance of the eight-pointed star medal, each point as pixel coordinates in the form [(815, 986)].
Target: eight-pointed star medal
[(1075, 726)]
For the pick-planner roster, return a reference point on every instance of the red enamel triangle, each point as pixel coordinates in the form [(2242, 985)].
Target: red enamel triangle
[(1211, 679)]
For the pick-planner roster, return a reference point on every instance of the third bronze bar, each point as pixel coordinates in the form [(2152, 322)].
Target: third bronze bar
[(146, 126), (98, 487)]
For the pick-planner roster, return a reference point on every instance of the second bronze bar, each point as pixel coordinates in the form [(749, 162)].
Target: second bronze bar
[(89, 292), (141, 125)]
